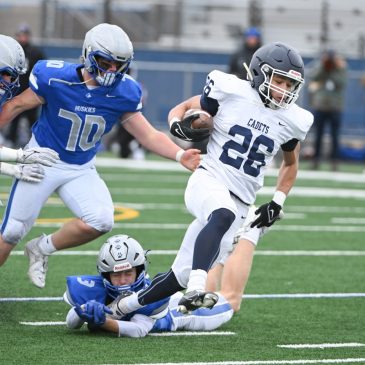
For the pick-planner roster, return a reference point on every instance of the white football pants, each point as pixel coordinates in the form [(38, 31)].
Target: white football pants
[(80, 188), (203, 195)]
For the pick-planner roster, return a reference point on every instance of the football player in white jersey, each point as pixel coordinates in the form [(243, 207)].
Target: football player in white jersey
[(12, 64), (122, 266), (80, 103), (253, 120)]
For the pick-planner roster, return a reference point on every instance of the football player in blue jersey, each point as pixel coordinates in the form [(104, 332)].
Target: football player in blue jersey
[(12, 64), (79, 104), (252, 121), (122, 268)]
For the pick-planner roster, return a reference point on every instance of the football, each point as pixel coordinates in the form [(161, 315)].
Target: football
[(205, 120)]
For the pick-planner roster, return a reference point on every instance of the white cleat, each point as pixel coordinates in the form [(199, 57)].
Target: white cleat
[(38, 263)]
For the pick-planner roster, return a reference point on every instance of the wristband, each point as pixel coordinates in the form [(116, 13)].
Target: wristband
[(179, 155), (9, 154), (279, 197), (173, 120)]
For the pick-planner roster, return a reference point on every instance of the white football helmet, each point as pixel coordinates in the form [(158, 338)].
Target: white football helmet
[(12, 63), (109, 42), (119, 253)]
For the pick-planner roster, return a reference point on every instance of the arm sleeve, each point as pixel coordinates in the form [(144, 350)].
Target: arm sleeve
[(73, 321), (138, 326), (290, 145)]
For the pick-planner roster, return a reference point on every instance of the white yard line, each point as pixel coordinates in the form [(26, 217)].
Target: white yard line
[(174, 166), (352, 220), (178, 226), (43, 323), (162, 334), (263, 362), (265, 191), (257, 253), (245, 297), (321, 345), (192, 333)]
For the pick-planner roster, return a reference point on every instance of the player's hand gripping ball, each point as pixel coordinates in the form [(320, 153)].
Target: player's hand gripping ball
[(203, 120)]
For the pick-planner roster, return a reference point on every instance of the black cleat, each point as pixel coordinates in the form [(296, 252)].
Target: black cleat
[(195, 299)]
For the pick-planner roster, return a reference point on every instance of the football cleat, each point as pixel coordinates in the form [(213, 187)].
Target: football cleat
[(119, 307), (195, 299), (38, 262)]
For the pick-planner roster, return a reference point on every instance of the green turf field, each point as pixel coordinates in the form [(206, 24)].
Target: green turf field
[(319, 248)]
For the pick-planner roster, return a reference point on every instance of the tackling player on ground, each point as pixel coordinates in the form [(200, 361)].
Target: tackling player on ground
[(122, 266), (253, 121)]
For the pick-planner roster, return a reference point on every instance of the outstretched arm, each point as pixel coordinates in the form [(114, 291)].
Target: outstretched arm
[(28, 99), (158, 142)]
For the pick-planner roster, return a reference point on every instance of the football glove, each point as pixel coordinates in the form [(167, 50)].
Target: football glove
[(41, 155), (184, 131), (31, 173), (268, 214), (93, 312)]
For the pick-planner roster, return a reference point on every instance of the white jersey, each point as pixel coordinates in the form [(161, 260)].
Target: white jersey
[(247, 135)]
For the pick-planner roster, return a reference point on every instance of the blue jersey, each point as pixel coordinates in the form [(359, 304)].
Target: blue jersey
[(75, 117), (81, 289)]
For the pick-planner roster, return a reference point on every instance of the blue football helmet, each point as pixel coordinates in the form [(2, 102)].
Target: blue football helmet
[(107, 42), (276, 59), (119, 253), (12, 64)]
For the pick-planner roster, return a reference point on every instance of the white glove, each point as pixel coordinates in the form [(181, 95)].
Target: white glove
[(42, 155), (31, 173)]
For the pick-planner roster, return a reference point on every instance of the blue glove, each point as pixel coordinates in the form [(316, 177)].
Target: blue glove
[(93, 312)]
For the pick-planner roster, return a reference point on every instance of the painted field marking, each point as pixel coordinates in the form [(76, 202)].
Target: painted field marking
[(263, 362), (193, 333), (162, 334), (245, 296), (257, 253), (352, 220), (177, 226), (43, 323), (321, 345)]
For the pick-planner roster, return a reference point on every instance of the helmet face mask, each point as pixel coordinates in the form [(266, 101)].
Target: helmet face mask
[(106, 45), (120, 253), (277, 62), (268, 88), (12, 64)]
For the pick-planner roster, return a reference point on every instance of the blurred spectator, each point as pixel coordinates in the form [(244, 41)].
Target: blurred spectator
[(327, 96), (32, 55), (251, 42)]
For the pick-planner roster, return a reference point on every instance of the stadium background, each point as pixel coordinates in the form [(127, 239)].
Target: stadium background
[(307, 287), (177, 42)]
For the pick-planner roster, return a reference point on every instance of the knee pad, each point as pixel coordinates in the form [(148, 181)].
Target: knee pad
[(101, 219), (14, 231)]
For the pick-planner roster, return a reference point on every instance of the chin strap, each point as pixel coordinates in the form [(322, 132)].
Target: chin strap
[(249, 74)]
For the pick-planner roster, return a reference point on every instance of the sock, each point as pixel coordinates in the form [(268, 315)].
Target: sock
[(197, 280), (46, 245)]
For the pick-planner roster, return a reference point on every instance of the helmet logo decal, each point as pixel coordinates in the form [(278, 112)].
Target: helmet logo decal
[(122, 267), (295, 74)]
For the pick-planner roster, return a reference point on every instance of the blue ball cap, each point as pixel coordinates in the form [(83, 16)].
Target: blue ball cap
[(252, 32)]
